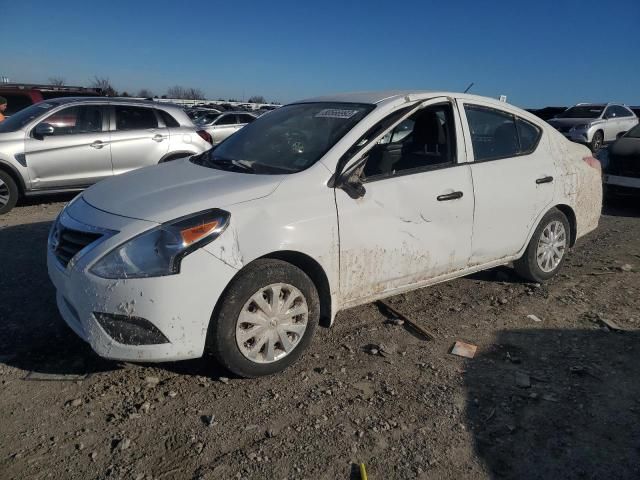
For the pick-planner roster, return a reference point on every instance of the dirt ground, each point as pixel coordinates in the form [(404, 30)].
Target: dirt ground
[(558, 398)]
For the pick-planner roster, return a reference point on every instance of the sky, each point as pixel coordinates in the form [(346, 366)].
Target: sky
[(538, 53)]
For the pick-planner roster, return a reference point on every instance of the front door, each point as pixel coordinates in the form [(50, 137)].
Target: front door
[(76, 154), (415, 219), (513, 180), (224, 126), (137, 140)]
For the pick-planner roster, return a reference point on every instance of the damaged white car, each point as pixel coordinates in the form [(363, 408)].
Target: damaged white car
[(321, 205)]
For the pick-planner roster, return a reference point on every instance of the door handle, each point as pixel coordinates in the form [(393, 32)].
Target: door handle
[(544, 180), (449, 196), (98, 144), (157, 138)]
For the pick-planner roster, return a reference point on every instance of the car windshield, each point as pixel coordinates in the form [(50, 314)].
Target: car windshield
[(633, 133), (582, 111), (18, 120), (288, 140)]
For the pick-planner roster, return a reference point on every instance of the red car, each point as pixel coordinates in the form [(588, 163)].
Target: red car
[(21, 96)]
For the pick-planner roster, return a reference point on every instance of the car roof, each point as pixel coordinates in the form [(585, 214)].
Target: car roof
[(393, 96), (132, 101)]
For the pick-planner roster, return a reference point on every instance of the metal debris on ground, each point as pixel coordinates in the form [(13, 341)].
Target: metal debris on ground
[(56, 377), (534, 318), (610, 324), (462, 349), (392, 312)]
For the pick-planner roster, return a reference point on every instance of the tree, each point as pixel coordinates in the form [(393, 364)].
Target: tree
[(176, 92), (145, 93), (124, 94), (181, 92), (257, 99), (104, 84), (57, 81), (194, 94)]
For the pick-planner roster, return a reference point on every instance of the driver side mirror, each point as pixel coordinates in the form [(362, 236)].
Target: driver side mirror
[(352, 184), (43, 129)]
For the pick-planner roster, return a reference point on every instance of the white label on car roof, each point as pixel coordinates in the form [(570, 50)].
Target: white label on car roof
[(335, 113)]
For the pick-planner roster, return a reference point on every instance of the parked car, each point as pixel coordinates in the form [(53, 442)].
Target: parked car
[(244, 249), (547, 113), (20, 96), (67, 144), (220, 126), (622, 171), (595, 124)]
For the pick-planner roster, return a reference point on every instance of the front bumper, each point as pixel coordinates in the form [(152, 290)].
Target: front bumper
[(578, 136), (179, 306)]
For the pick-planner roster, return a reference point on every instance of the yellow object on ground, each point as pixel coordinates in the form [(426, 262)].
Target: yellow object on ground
[(363, 472)]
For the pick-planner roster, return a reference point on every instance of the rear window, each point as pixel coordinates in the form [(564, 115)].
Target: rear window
[(16, 102), (168, 120), (135, 118)]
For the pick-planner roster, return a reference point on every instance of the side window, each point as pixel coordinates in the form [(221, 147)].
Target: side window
[(80, 119), (227, 120), (621, 112), (168, 120), (426, 140), (493, 133), (246, 118), (529, 136), (610, 113), (135, 118)]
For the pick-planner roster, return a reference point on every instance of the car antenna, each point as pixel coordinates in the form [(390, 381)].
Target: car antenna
[(469, 87)]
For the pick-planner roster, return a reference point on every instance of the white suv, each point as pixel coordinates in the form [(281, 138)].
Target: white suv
[(313, 208), (595, 124), (67, 144)]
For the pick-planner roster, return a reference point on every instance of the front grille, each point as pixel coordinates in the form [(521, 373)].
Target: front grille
[(624, 166), (564, 128), (69, 242)]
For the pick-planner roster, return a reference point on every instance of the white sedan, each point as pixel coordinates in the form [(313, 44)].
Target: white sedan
[(318, 206)]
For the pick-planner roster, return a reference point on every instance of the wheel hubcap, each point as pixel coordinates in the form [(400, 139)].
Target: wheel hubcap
[(272, 323), (4, 193), (551, 246)]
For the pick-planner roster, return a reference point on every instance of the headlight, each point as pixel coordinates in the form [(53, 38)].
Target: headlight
[(583, 126), (159, 251)]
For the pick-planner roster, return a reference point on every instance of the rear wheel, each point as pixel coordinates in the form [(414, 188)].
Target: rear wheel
[(547, 248), (266, 320), (8, 192), (597, 141)]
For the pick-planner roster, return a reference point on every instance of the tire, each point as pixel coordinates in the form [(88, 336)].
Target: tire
[(263, 280), (9, 192), (597, 141), (529, 267)]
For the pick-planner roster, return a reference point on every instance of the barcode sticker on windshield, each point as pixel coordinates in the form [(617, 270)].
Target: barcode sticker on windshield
[(335, 113)]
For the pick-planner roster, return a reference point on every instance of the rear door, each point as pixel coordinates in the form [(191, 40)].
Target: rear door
[(513, 174), (138, 139), (224, 126), (76, 154)]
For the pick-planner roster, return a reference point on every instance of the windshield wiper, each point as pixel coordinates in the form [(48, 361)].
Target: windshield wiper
[(242, 165)]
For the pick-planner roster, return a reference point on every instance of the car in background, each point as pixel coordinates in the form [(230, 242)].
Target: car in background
[(222, 125), (67, 144), (595, 124), (20, 96), (243, 250), (622, 171), (636, 110), (546, 113)]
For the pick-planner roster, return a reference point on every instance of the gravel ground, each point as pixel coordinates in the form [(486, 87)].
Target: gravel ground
[(555, 398)]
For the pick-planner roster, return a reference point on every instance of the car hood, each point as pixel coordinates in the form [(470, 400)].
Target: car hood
[(164, 192), (570, 122)]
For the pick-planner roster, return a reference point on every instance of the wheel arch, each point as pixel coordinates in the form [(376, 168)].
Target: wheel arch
[(175, 155), (11, 171), (571, 217), (317, 275)]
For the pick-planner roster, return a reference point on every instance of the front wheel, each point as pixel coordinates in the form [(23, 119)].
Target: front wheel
[(8, 193), (597, 141), (547, 248), (266, 319)]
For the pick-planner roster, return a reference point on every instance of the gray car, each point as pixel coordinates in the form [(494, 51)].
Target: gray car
[(222, 125), (67, 144), (595, 124)]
